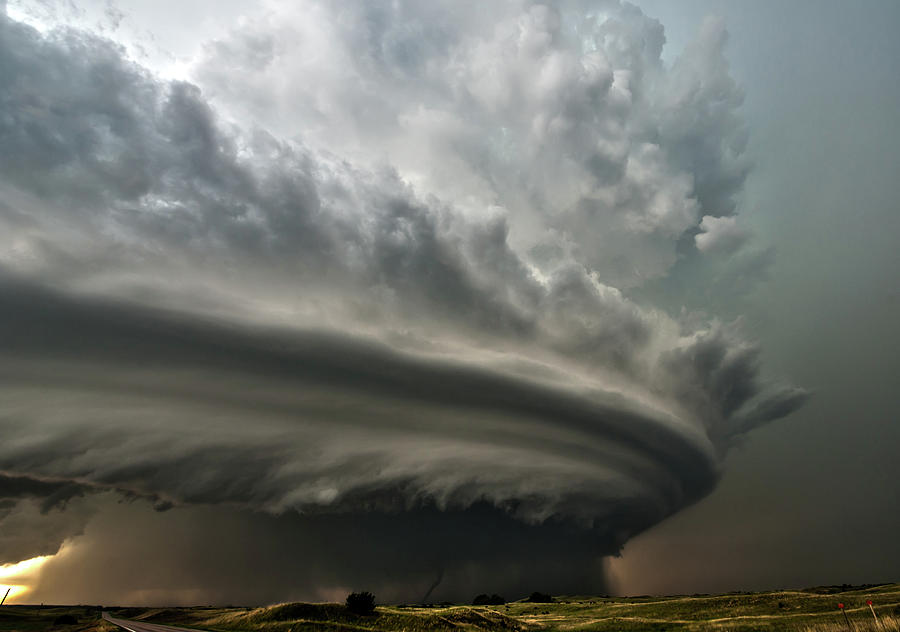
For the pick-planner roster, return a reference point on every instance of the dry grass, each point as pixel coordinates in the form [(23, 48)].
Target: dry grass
[(813, 610), (885, 623)]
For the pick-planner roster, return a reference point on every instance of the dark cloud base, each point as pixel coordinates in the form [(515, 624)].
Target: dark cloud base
[(216, 555)]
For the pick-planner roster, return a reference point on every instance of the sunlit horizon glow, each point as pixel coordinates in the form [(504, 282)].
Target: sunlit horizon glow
[(24, 574)]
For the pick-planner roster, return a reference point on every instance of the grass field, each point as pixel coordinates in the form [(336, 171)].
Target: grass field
[(810, 610)]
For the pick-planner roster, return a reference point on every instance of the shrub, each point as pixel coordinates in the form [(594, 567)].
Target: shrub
[(488, 600), (539, 597), (65, 619), (361, 602)]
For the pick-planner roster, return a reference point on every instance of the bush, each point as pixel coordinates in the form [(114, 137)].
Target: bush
[(361, 603), (488, 600), (65, 619), (539, 597)]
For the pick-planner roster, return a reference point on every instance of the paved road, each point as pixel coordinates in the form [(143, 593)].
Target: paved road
[(141, 626)]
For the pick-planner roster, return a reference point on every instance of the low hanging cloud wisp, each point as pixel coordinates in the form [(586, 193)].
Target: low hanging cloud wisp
[(379, 292)]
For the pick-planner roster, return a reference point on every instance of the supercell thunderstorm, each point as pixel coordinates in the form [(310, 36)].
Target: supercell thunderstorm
[(356, 299)]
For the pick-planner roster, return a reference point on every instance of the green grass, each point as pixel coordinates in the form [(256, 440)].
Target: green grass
[(813, 610)]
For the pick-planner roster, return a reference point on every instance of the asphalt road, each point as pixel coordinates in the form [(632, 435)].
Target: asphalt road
[(140, 626)]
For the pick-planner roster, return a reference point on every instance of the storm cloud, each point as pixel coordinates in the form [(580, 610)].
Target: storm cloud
[(380, 292)]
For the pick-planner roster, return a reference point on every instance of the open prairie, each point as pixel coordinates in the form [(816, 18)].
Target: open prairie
[(810, 610)]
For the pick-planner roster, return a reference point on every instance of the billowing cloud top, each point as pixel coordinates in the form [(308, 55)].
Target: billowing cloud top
[(372, 261)]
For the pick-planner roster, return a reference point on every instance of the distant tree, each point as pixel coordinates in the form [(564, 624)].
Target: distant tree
[(488, 600), (361, 602), (539, 597)]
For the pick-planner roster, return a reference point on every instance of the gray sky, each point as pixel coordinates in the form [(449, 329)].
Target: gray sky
[(820, 488), (364, 285)]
